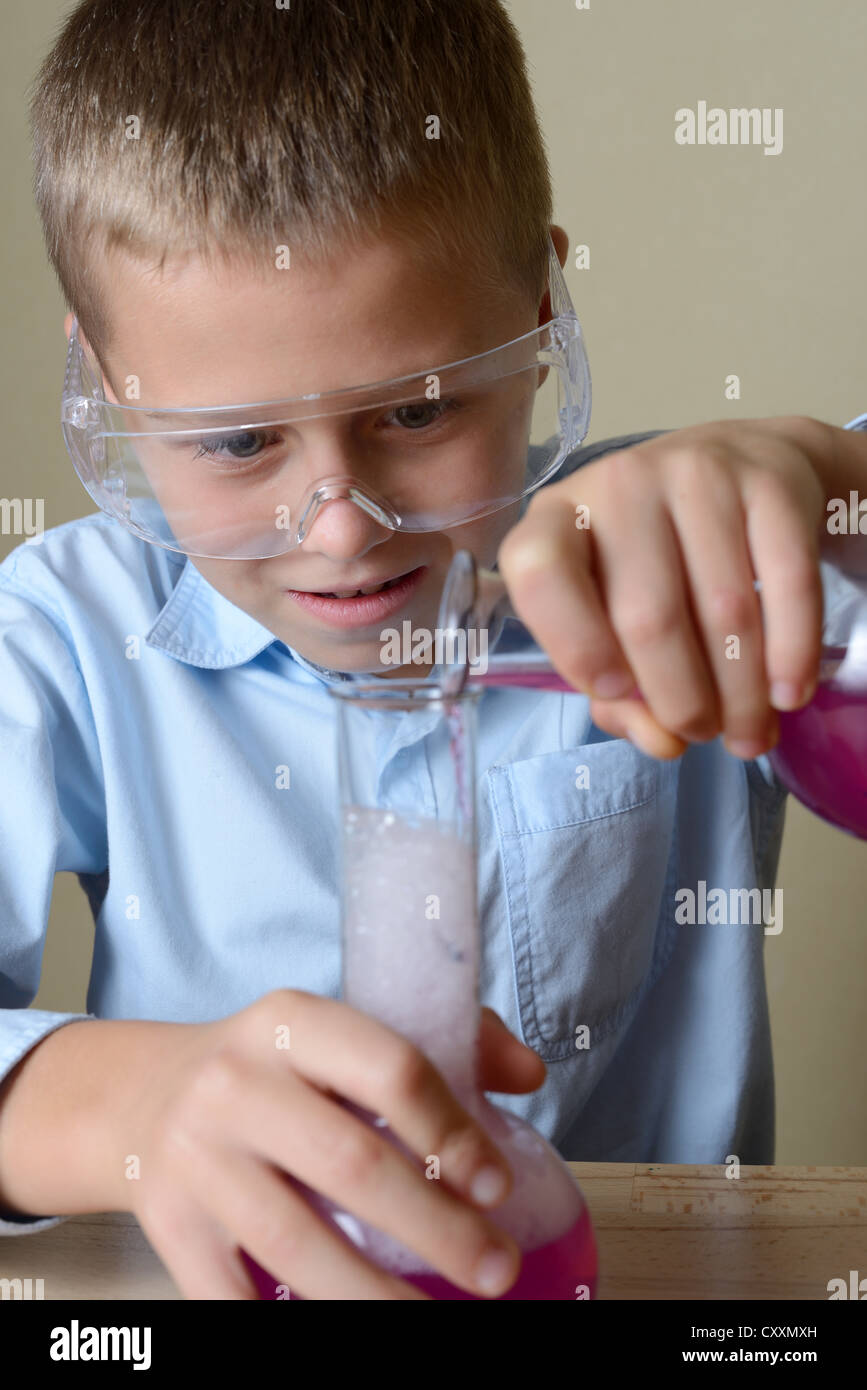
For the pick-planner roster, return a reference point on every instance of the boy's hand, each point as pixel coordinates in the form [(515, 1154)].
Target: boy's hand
[(657, 585), (217, 1130)]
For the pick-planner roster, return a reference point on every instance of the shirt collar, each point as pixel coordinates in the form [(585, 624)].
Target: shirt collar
[(200, 626)]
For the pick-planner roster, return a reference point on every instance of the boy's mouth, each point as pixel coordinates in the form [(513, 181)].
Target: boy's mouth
[(354, 593), (358, 608)]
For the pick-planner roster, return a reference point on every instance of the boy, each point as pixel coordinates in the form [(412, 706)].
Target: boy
[(148, 693)]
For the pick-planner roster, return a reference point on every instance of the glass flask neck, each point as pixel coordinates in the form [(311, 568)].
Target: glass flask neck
[(476, 605)]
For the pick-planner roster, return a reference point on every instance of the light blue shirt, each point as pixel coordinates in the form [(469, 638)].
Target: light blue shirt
[(144, 720)]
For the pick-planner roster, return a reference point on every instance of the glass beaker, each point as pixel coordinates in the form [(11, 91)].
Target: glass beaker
[(411, 945), (821, 754)]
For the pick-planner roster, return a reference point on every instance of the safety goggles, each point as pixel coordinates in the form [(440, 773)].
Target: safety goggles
[(423, 452)]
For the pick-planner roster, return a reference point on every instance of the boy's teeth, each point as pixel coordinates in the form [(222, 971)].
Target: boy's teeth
[(353, 593)]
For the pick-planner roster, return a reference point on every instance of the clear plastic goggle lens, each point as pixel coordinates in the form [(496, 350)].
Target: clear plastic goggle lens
[(421, 453)]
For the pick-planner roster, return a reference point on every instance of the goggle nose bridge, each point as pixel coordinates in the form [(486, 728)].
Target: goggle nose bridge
[(347, 489)]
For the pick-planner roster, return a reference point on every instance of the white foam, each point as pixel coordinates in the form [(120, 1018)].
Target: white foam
[(411, 944)]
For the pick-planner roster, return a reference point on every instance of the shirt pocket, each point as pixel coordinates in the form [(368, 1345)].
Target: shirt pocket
[(588, 885)]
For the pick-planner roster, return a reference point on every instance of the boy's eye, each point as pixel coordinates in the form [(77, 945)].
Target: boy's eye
[(247, 446), (419, 414), (241, 448)]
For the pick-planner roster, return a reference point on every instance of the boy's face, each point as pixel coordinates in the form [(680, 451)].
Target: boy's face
[(200, 336)]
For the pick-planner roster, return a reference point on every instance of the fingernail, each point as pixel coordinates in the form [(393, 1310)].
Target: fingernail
[(495, 1270), (785, 695), (488, 1186), (611, 686), (640, 739), (745, 748)]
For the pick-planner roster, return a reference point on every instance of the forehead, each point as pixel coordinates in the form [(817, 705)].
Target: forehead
[(231, 332)]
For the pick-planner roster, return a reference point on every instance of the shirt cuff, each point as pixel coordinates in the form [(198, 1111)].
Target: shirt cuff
[(27, 1225)]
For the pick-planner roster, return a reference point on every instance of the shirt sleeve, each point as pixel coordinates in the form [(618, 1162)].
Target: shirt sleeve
[(52, 809)]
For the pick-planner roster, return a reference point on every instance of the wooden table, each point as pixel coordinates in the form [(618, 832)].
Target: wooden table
[(664, 1231)]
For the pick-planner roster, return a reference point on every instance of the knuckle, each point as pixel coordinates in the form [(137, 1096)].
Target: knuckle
[(808, 428), (275, 1001), (771, 490), (355, 1158), (733, 608), (622, 463), (682, 468), (462, 1147), (256, 1025), (705, 463), (279, 1236), (625, 470), (216, 1078), (785, 495), (408, 1072), (645, 624)]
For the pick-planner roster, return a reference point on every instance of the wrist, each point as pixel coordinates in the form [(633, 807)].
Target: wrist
[(64, 1127)]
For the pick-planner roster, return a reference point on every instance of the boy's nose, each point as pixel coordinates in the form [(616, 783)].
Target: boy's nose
[(342, 511), (344, 533)]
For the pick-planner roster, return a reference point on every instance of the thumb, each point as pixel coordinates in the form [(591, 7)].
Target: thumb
[(505, 1063), (632, 719)]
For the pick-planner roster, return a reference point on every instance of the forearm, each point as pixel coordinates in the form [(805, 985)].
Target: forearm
[(62, 1134)]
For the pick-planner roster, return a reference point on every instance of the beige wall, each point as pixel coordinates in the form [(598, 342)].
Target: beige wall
[(705, 261)]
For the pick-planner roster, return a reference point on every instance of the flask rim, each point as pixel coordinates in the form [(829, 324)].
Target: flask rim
[(410, 694)]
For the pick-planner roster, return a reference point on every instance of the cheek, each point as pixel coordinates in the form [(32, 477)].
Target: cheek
[(240, 581), (504, 459), (203, 510)]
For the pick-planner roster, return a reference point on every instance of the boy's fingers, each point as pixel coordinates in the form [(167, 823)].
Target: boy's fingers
[(632, 719), (505, 1063), (546, 565), (785, 556), (197, 1251)]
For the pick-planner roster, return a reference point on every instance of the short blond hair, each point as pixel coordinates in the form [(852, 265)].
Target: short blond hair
[(305, 126)]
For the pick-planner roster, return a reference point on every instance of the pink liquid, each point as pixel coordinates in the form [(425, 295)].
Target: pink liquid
[(821, 756), (557, 1271), (527, 680), (535, 676)]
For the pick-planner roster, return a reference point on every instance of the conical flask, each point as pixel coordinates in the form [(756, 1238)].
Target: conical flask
[(411, 946), (821, 755)]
